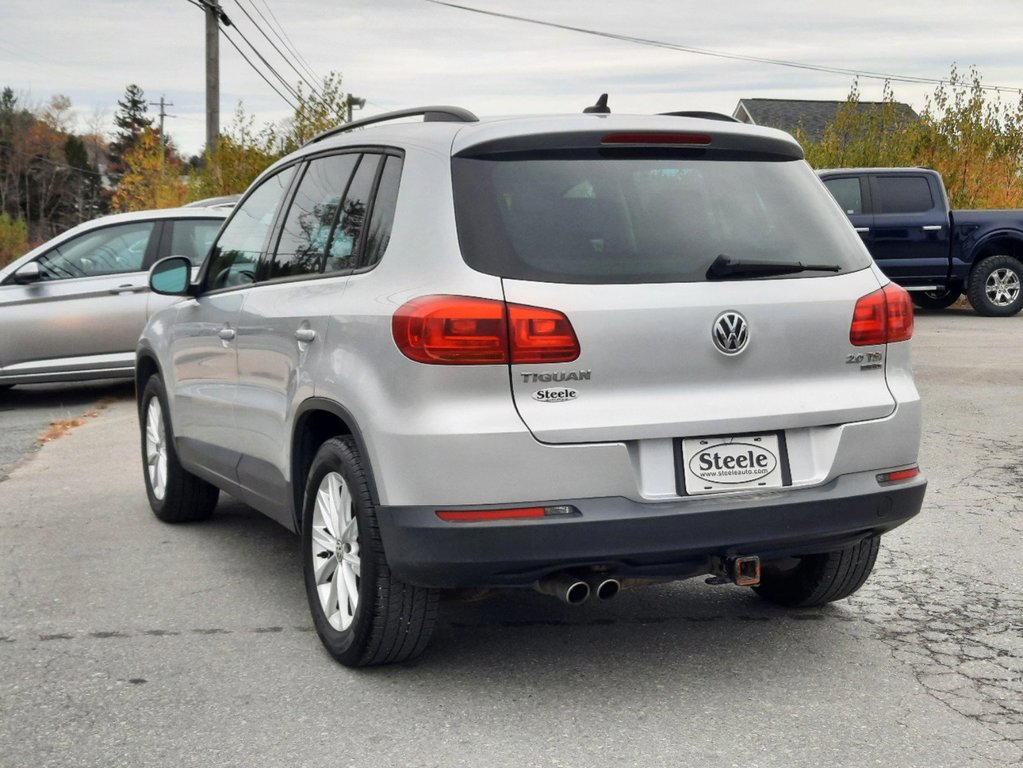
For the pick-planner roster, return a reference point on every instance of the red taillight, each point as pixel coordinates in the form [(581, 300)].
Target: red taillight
[(882, 317), (460, 330), (658, 139)]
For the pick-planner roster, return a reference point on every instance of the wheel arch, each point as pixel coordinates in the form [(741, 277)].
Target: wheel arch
[(316, 421), (997, 244), (146, 367)]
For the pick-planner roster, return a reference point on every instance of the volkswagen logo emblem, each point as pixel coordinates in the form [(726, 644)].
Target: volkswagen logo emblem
[(730, 332)]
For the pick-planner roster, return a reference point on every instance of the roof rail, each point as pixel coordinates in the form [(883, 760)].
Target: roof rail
[(704, 115), (429, 114)]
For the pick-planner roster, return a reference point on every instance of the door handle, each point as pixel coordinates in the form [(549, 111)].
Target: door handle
[(305, 334), (126, 288), (932, 228), (227, 334), (862, 230)]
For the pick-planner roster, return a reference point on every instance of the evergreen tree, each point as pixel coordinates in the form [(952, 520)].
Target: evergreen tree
[(131, 120)]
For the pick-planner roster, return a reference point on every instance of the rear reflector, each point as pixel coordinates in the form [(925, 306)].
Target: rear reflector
[(899, 475), (656, 139), (882, 317), (520, 513), (483, 515), (461, 330)]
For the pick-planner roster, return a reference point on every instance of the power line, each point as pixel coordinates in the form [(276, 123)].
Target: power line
[(256, 69), (222, 23), (281, 35), (273, 45), (721, 54), (273, 71)]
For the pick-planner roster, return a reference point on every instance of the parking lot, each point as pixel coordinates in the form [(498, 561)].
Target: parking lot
[(126, 642)]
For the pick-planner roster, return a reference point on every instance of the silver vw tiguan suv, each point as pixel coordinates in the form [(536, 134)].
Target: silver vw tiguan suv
[(558, 352)]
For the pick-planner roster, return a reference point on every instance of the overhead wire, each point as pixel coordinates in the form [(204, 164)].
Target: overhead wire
[(866, 74), (257, 70), (273, 70), (273, 45), (282, 35), (222, 23)]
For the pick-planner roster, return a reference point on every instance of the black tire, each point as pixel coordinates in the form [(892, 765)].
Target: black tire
[(936, 299), (819, 579), (996, 286), (175, 494), (390, 621)]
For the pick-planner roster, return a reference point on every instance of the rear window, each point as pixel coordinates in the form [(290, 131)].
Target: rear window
[(903, 194), (592, 218)]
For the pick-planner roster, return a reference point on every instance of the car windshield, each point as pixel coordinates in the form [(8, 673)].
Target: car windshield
[(587, 218)]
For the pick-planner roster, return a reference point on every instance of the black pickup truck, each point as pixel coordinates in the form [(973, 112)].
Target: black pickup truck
[(936, 254)]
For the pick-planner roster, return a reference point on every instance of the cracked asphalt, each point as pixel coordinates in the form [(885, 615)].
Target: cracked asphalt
[(125, 642)]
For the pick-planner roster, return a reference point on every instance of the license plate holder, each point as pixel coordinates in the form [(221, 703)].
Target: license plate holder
[(732, 463)]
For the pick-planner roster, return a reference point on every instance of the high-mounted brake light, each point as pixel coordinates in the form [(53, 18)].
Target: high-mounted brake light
[(461, 330), (656, 139), (882, 317)]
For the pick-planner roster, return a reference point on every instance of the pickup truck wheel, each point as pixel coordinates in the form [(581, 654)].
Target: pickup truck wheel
[(362, 614), (818, 579), (936, 299), (995, 286), (175, 494)]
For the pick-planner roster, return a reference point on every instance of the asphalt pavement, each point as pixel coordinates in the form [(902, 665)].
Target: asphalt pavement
[(127, 642)]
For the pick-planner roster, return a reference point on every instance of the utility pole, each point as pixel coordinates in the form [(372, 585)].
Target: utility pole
[(163, 113), (212, 73)]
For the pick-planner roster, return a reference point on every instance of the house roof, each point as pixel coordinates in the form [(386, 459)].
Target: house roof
[(813, 116)]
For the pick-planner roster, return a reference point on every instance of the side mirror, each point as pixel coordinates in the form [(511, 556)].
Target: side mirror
[(28, 274), (171, 276)]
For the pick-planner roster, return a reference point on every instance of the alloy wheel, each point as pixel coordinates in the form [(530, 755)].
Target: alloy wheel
[(335, 551), (1002, 287), (156, 449)]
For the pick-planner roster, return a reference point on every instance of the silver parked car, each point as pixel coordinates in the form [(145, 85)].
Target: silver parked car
[(558, 352), (73, 308)]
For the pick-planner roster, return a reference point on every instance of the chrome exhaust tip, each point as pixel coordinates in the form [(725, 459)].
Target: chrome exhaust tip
[(607, 589), (567, 588)]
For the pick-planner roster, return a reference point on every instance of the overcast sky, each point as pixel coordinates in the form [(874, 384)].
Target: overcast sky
[(405, 53)]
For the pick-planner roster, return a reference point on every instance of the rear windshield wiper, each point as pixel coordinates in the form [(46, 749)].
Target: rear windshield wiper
[(725, 267)]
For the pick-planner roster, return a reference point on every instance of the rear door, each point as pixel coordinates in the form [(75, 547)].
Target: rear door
[(910, 237), (87, 310), (623, 244)]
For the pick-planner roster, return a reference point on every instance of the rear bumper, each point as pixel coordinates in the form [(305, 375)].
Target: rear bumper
[(675, 539)]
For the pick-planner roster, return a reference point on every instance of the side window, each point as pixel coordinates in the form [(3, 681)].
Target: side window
[(903, 194), (312, 216), (192, 238), (236, 253), (343, 250), (848, 194), (104, 251), (382, 217)]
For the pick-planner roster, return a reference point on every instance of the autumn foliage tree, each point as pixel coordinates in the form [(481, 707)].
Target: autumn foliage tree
[(152, 176), (971, 137), (244, 151), (47, 181)]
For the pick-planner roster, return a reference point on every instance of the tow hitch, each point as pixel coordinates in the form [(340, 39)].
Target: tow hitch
[(743, 571)]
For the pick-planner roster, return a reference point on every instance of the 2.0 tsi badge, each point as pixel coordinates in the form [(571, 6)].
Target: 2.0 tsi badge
[(730, 333)]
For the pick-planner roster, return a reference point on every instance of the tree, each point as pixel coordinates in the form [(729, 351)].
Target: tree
[(13, 238), (239, 156), (131, 120), (152, 176), (968, 135), (316, 113)]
